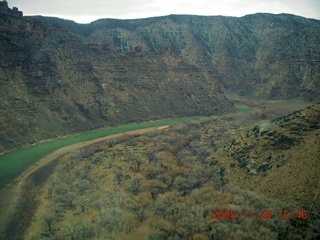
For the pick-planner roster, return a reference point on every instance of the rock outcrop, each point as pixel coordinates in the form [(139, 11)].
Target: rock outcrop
[(5, 10)]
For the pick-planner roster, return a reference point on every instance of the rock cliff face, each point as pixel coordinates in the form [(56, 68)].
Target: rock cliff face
[(58, 77), (264, 55)]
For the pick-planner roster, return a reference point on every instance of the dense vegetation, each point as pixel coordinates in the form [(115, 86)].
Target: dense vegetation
[(167, 185), (13, 163)]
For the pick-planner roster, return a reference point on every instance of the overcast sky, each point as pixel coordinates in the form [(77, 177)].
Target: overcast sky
[(86, 11)]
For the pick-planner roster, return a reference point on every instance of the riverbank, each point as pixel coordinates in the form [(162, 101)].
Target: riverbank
[(14, 163), (11, 194)]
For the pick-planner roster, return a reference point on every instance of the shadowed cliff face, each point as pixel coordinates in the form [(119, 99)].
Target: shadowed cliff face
[(58, 77)]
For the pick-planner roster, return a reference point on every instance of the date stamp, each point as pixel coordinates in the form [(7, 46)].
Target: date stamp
[(262, 215)]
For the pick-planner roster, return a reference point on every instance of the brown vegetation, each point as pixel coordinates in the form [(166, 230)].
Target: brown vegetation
[(166, 185)]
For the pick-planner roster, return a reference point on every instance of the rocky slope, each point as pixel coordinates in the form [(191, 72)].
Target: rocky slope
[(58, 77), (280, 160)]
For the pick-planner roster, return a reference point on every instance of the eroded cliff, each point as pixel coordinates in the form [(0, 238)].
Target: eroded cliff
[(58, 77)]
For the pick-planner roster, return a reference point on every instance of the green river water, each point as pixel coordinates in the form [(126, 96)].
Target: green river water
[(12, 164)]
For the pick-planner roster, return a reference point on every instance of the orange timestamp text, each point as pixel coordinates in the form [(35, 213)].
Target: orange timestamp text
[(263, 214)]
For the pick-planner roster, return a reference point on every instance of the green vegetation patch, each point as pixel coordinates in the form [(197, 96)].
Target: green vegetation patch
[(243, 108), (14, 163)]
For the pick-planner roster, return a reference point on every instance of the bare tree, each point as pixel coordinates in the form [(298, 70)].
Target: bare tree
[(118, 176), (57, 206), (134, 185), (136, 160), (110, 219), (49, 219), (86, 230), (138, 207), (72, 230), (82, 202), (113, 197), (128, 222), (70, 199), (82, 186), (98, 203)]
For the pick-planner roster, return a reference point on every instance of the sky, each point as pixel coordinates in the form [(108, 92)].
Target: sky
[(90, 10)]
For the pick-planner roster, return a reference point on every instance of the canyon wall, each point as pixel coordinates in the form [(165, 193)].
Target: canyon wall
[(58, 77)]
